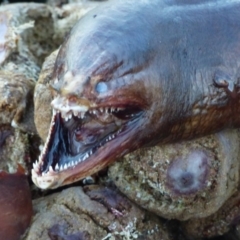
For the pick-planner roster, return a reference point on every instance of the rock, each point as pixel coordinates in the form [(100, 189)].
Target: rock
[(186, 180), (43, 97), (97, 213), (14, 150), (15, 205), (219, 223), (16, 100)]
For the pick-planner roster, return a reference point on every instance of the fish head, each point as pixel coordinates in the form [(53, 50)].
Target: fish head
[(102, 103)]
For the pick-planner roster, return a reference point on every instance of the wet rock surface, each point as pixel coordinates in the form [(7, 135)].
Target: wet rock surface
[(195, 182)]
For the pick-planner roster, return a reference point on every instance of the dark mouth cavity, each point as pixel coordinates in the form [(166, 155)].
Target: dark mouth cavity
[(75, 140)]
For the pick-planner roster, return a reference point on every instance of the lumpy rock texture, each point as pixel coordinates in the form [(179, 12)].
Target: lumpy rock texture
[(185, 180), (91, 213)]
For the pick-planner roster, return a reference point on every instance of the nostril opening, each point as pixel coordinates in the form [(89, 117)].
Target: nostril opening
[(101, 87)]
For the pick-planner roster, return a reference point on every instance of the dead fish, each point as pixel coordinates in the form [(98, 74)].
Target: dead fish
[(138, 73)]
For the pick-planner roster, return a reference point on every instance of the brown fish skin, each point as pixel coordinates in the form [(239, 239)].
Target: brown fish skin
[(141, 73)]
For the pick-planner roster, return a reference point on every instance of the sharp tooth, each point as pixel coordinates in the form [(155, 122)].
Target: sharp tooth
[(76, 162), (112, 109), (34, 174), (65, 166), (109, 138), (106, 110), (66, 118), (63, 115), (75, 113), (57, 167), (72, 164), (101, 109), (69, 116), (35, 165), (51, 169), (69, 164), (43, 173), (94, 111), (61, 168), (82, 114)]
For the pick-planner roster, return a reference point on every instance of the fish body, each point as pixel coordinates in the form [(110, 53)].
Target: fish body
[(133, 74)]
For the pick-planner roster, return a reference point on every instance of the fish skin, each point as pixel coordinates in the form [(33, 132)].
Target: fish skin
[(172, 53), (178, 61)]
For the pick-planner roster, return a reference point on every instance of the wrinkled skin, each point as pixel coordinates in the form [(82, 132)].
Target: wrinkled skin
[(134, 74)]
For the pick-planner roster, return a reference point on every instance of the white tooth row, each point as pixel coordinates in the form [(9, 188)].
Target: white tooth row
[(106, 110), (36, 165), (44, 148), (72, 164), (110, 137), (62, 104), (68, 115)]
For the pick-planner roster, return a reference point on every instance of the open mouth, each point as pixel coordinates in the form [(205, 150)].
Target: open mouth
[(78, 134)]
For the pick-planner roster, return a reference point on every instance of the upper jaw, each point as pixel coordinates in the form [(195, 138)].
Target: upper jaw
[(68, 108)]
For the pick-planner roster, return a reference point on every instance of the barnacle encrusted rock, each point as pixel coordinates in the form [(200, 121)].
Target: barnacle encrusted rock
[(191, 179), (95, 213), (24, 44), (16, 91), (14, 149), (219, 223)]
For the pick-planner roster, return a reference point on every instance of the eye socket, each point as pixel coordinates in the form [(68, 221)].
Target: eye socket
[(101, 87)]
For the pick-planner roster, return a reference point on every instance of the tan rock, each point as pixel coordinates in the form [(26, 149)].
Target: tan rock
[(97, 213), (219, 223), (191, 179)]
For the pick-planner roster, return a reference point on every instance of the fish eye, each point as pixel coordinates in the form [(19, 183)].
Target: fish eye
[(101, 87)]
